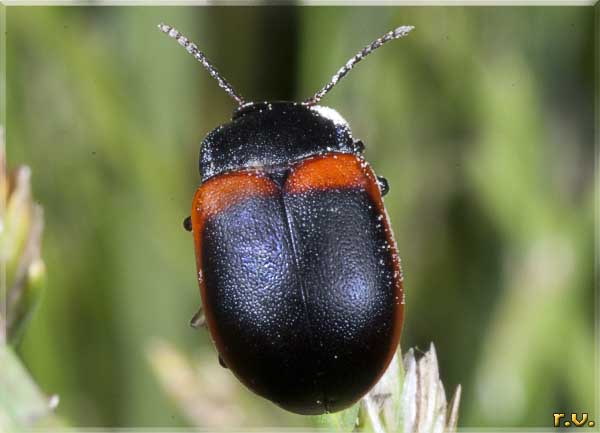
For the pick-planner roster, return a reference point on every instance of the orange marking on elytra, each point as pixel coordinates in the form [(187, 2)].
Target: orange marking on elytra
[(338, 170)]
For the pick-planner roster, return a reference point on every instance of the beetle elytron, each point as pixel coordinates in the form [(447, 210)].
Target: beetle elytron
[(299, 275)]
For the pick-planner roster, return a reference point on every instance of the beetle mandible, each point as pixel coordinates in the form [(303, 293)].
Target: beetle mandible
[(299, 275)]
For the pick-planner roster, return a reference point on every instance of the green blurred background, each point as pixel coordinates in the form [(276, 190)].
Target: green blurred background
[(482, 121)]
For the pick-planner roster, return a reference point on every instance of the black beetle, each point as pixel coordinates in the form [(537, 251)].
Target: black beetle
[(298, 269)]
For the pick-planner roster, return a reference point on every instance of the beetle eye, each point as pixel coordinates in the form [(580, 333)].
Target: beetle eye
[(384, 186), (187, 224), (359, 146)]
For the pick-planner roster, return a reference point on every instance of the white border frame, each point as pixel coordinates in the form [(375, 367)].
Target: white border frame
[(595, 4)]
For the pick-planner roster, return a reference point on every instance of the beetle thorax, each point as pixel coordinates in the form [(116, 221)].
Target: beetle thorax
[(272, 135)]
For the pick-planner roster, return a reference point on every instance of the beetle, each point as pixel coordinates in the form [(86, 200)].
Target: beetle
[(299, 275)]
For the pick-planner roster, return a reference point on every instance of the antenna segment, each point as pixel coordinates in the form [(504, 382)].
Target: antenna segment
[(199, 55), (394, 34)]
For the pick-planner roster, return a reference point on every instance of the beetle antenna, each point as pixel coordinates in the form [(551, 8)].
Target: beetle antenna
[(389, 36), (199, 55)]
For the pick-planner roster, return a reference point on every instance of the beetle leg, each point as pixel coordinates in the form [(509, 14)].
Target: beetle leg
[(198, 319), (187, 224), (222, 362), (384, 186)]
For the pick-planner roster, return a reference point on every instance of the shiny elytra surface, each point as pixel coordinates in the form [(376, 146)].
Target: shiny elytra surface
[(300, 280)]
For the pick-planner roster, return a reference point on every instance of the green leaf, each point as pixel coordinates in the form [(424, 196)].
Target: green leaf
[(344, 421), (22, 405)]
